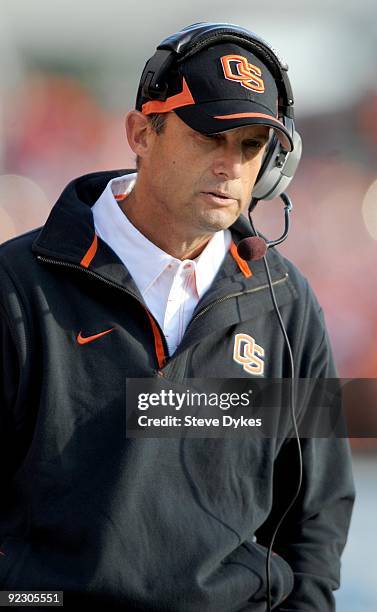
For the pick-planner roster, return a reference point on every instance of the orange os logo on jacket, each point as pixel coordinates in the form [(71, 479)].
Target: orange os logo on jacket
[(248, 353), (237, 68)]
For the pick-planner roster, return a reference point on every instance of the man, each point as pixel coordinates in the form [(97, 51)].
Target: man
[(137, 275)]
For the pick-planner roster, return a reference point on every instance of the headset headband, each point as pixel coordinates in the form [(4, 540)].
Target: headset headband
[(179, 46)]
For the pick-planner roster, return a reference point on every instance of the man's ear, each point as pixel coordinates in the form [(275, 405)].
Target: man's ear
[(139, 132)]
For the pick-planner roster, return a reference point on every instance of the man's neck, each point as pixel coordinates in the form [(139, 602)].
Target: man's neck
[(169, 240)]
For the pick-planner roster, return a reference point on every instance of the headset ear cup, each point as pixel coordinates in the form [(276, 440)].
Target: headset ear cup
[(278, 169)]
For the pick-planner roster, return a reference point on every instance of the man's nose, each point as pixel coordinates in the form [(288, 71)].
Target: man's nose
[(228, 162)]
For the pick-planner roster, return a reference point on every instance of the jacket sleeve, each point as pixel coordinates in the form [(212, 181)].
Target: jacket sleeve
[(314, 532), (9, 377)]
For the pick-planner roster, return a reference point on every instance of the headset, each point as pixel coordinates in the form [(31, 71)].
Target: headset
[(277, 169), (278, 166)]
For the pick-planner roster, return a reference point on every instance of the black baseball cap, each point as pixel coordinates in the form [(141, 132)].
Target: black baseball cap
[(221, 88)]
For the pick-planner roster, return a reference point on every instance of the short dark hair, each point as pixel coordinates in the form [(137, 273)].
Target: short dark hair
[(157, 121)]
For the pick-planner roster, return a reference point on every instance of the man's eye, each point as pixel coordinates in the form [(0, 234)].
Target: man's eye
[(253, 144), (212, 137)]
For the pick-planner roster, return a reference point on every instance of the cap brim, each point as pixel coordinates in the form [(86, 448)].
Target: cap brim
[(223, 115)]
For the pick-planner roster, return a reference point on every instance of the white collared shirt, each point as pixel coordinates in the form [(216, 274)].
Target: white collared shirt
[(171, 288)]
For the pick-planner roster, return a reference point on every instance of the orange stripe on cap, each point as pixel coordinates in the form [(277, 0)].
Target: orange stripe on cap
[(86, 260), (158, 344), (243, 266), (165, 106), (282, 135), (242, 115)]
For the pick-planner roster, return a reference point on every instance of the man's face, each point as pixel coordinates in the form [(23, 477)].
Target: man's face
[(202, 183)]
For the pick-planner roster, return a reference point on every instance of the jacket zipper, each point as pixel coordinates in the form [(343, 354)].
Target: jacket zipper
[(67, 264), (197, 316)]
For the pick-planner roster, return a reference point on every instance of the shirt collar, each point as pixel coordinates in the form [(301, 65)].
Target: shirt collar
[(210, 260), (145, 260)]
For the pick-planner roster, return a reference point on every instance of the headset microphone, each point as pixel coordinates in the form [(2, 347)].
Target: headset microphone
[(255, 247)]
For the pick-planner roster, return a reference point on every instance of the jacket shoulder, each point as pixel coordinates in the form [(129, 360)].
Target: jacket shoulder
[(18, 247), (19, 244), (17, 261), (296, 276)]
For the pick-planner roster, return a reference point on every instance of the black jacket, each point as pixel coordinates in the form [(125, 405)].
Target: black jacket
[(153, 524)]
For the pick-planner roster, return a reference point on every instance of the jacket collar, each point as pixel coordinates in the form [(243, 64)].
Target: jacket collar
[(69, 236), (69, 230)]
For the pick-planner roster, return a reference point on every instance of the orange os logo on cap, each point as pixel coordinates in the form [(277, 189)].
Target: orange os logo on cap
[(247, 74)]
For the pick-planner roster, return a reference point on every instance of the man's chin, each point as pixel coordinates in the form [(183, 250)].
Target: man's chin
[(217, 220)]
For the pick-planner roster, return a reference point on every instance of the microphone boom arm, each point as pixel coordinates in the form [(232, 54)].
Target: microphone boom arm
[(288, 206)]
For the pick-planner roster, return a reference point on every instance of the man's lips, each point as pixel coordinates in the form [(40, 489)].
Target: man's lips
[(219, 195)]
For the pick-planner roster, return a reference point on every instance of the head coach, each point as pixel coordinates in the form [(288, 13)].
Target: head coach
[(154, 273)]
